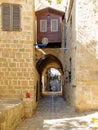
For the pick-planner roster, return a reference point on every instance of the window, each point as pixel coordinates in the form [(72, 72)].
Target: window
[(10, 17), (43, 25), (54, 25)]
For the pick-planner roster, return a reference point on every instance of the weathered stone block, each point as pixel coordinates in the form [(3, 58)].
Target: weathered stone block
[(28, 107)]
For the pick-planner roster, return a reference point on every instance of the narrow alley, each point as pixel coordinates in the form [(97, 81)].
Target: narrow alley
[(48, 64), (53, 113)]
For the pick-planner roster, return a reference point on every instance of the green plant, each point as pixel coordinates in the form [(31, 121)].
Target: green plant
[(95, 9), (58, 1), (49, 1)]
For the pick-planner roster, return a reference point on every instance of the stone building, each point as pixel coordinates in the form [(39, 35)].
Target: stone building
[(81, 54), (17, 53), (18, 74)]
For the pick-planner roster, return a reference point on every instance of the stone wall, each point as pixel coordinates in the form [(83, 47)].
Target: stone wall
[(17, 61), (11, 114), (44, 51), (13, 111), (87, 55), (82, 92), (69, 87)]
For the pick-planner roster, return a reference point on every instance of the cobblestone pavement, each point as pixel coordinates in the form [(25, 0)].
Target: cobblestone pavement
[(53, 113)]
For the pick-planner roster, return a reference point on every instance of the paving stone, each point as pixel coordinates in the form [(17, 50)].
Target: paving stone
[(53, 113)]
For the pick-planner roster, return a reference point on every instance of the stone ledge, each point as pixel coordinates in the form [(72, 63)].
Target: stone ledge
[(28, 107), (11, 113)]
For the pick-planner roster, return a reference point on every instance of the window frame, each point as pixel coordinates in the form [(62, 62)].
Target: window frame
[(41, 25), (52, 28)]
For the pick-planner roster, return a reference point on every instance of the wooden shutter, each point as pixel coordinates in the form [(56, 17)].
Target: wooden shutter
[(6, 23), (10, 17), (16, 17)]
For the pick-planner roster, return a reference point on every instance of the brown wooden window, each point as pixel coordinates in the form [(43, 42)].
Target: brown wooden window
[(10, 17)]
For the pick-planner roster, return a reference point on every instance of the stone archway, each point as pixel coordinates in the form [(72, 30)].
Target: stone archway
[(43, 64), (48, 60)]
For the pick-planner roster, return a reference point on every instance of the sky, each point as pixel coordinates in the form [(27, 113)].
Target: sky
[(55, 72)]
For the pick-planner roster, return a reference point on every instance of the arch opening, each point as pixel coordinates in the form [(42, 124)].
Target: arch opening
[(52, 80), (47, 60), (51, 72)]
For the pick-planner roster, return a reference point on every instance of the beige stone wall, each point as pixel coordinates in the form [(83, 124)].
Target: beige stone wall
[(87, 55), (17, 61), (13, 111), (70, 53), (57, 52), (82, 91), (11, 116)]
